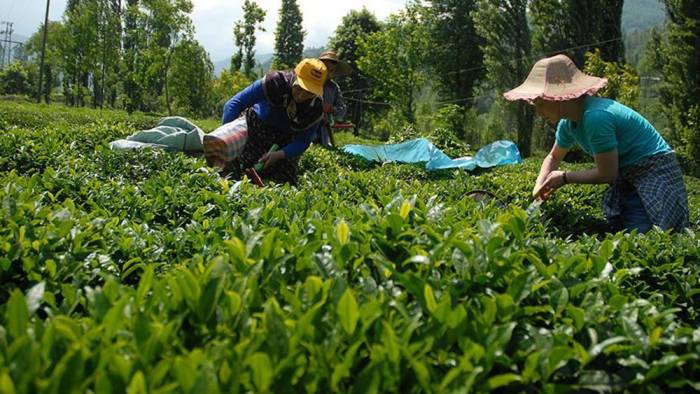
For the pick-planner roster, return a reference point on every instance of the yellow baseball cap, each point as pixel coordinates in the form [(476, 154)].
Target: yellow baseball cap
[(311, 75)]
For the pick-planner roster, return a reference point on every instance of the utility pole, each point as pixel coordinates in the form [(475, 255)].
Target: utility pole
[(4, 44), (10, 30), (43, 52), (5, 41)]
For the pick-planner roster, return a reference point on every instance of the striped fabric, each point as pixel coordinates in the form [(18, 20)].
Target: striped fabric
[(659, 182), (226, 143)]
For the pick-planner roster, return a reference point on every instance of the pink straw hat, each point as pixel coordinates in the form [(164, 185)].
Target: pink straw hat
[(555, 78)]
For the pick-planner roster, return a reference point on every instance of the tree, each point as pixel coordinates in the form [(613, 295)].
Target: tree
[(80, 48), (166, 23), (394, 59), (190, 79), (14, 79), (597, 21), (456, 58), (225, 86), (244, 37), (345, 39), (110, 53), (153, 28), (133, 37), (575, 27), (52, 61), (507, 54), (678, 57), (289, 36), (90, 48), (623, 80), (551, 32)]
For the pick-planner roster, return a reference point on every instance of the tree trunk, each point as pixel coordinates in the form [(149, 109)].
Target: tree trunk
[(524, 118), (104, 59), (167, 94), (84, 87), (49, 84)]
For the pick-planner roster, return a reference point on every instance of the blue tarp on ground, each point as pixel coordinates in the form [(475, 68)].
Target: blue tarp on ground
[(421, 150)]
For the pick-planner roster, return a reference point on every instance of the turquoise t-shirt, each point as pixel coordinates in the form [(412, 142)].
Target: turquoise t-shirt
[(606, 125)]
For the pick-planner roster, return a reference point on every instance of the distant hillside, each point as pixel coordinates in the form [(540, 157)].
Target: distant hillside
[(224, 64), (641, 15), (638, 18), (221, 65), (308, 52), (265, 60)]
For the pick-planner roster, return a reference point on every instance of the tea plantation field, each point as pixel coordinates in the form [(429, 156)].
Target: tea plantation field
[(147, 272)]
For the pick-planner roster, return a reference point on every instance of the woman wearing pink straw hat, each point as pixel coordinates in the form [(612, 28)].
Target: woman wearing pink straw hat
[(646, 182)]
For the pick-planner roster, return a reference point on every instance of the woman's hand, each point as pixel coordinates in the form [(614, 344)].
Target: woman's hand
[(545, 185), (538, 185), (270, 158), (554, 180)]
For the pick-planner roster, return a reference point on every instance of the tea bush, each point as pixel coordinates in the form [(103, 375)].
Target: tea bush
[(149, 272)]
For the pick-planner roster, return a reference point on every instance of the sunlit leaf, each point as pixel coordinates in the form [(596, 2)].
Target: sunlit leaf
[(348, 312)]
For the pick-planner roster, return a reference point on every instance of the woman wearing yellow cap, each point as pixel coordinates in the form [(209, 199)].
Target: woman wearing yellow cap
[(283, 108), (646, 183)]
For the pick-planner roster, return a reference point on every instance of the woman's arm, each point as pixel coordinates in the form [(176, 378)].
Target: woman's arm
[(601, 127), (245, 98), (605, 172)]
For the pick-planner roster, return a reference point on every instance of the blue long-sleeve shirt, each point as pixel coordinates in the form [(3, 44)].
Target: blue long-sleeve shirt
[(276, 116)]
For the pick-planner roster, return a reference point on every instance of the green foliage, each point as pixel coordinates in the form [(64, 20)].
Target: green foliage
[(575, 27), (551, 31), (345, 39), (14, 79), (89, 46), (623, 81), (355, 24), (39, 117), (392, 126), (153, 30), (133, 39), (289, 36), (635, 48), (451, 117), (394, 59), (244, 37), (596, 24), (79, 47), (689, 133), (224, 87), (456, 57), (506, 35), (190, 77), (148, 272), (447, 130), (677, 55), (445, 139), (53, 62)]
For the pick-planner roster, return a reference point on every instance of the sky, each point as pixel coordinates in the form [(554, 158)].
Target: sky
[(214, 19)]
